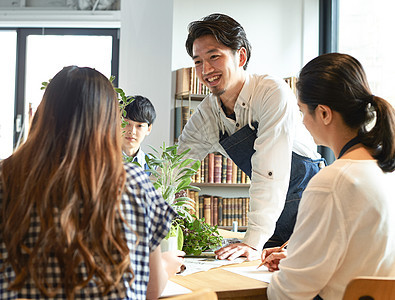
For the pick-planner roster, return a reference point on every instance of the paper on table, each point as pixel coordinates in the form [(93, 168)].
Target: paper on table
[(173, 289), (199, 264), (262, 274)]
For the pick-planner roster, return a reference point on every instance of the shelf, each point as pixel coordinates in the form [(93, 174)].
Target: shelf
[(239, 228), (205, 184), (187, 96)]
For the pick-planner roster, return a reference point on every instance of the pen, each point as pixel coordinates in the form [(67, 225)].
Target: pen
[(281, 248)]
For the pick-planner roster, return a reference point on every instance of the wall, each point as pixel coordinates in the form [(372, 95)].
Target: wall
[(283, 33), (145, 59)]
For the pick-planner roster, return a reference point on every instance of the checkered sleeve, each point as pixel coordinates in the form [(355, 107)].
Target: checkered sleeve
[(158, 214)]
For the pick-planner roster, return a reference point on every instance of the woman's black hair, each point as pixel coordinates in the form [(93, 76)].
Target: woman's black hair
[(339, 82)]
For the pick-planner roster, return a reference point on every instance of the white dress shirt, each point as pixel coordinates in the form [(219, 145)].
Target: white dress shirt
[(345, 228)]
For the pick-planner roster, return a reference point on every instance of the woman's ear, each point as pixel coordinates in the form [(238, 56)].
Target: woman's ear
[(324, 112)]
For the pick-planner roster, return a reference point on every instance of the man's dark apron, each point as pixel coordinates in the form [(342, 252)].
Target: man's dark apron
[(240, 147)]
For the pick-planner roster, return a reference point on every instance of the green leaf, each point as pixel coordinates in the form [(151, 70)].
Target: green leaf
[(180, 238), (186, 162)]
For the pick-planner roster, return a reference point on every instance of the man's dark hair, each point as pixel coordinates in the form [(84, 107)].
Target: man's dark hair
[(141, 110), (225, 29)]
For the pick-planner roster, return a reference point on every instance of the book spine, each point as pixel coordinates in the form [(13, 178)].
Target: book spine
[(234, 172), (225, 211), (207, 209), (240, 211), (206, 163), (238, 180), (202, 166), (224, 169), (233, 210), (215, 211), (217, 168), (197, 174), (211, 168), (243, 177), (229, 170), (183, 84), (201, 207), (220, 211), (211, 210)]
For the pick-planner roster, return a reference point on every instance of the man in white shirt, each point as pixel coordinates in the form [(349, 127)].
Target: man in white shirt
[(254, 120)]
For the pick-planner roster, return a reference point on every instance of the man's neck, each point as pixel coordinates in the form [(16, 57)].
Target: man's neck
[(230, 96), (132, 152)]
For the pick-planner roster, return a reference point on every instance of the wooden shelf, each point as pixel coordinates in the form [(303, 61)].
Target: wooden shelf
[(205, 184), (187, 96), (239, 228)]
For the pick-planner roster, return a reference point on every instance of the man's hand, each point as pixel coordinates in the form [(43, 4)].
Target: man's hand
[(271, 257), (236, 250)]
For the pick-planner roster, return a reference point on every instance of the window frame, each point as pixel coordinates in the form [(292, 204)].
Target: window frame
[(20, 74)]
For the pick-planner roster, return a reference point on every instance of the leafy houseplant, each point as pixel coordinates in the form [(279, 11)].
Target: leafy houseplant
[(172, 176), (199, 236)]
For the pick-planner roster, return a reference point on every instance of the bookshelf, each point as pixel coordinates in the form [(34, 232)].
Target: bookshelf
[(189, 93), (223, 197)]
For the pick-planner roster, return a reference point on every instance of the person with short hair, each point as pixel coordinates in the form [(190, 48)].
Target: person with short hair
[(253, 120), (346, 221), (75, 221), (140, 115)]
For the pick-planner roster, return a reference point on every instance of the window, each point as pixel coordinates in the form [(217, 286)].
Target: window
[(40, 54), (366, 32), (7, 98)]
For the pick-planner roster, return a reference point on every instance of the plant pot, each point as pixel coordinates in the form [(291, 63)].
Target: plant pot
[(169, 244), (174, 239)]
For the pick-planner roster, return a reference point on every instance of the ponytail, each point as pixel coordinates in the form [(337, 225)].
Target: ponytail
[(381, 137)]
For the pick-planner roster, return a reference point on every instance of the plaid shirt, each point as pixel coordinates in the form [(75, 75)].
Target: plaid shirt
[(147, 214)]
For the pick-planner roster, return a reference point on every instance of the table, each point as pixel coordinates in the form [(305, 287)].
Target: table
[(227, 285)]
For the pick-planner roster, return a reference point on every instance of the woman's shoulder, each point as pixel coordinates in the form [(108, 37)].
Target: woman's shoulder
[(347, 173), (138, 184)]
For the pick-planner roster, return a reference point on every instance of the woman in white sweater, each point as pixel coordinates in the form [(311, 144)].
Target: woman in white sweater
[(346, 221)]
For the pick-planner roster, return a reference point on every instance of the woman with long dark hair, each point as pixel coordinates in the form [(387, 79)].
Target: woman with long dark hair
[(75, 222), (346, 221)]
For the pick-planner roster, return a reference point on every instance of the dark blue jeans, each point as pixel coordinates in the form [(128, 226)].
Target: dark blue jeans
[(240, 148)]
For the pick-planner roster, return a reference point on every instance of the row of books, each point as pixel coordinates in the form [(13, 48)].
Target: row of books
[(221, 211), (188, 82), (216, 168)]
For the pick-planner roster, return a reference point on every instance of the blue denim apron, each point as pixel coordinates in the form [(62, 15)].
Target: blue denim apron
[(240, 147)]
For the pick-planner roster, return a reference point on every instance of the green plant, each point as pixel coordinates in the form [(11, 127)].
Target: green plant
[(199, 236), (123, 101), (172, 174)]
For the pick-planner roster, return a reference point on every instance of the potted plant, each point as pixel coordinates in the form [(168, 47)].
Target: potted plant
[(171, 175)]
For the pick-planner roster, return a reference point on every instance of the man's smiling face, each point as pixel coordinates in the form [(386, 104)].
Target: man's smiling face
[(217, 66)]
